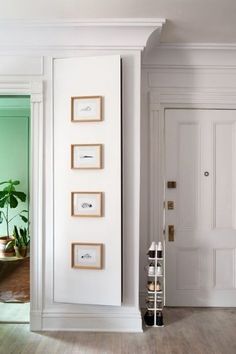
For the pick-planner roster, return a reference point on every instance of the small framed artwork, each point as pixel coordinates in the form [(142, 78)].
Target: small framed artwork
[(86, 109), (86, 156), (86, 255), (86, 204)]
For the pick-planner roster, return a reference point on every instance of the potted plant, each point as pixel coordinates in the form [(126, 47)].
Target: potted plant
[(20, 241), (9, 199)]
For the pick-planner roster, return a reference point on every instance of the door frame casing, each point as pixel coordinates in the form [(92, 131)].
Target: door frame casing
[(158, 102), (35, 90)]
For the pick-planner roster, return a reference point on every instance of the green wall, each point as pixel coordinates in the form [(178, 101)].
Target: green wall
[(14, 146)]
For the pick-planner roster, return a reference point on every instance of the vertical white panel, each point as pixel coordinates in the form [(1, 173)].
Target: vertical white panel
[(223, 175), (224, 268), (188, 172), (187, 269), (206, 268), (97, 76)]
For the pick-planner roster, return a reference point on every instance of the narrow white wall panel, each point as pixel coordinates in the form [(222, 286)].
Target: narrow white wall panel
[(94, 76)]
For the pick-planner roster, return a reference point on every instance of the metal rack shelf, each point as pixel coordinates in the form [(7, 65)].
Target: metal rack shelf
[(155, 263)]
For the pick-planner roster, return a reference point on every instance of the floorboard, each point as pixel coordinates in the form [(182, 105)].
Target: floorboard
[(186, 331)]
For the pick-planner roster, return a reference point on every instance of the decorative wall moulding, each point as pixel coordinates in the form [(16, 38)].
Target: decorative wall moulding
[(201, 46), (191, 56), (87, 33)]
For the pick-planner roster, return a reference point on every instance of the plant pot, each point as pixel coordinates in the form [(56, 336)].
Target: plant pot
[(3, 252), (21, 252)]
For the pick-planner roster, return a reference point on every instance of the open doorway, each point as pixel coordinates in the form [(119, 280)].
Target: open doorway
[(14, 225)]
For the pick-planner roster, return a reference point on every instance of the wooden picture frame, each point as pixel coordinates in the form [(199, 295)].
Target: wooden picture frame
[(87, 255), (87, 204), (86, 156), (86, 109)]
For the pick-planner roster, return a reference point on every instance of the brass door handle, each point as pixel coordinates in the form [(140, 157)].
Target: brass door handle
[(171, 233)]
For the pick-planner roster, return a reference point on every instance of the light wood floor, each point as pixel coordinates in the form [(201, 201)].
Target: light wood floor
[(186, 331)]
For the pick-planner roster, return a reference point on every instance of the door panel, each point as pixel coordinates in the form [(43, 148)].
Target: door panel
[(223, 168), (200, 155)]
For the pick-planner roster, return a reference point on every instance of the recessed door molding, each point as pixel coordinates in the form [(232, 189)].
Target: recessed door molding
[(160, 100), (35, 90)]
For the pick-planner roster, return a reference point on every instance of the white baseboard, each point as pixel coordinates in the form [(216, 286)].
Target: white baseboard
[(35, 320), (97, 322)]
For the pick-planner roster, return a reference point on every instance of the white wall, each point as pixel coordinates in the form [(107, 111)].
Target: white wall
[(175, 76), (40, 44)]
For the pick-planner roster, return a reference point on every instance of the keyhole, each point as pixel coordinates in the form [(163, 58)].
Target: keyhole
[(206, 174)]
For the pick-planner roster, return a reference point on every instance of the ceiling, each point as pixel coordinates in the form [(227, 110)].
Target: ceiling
[(188, 21)]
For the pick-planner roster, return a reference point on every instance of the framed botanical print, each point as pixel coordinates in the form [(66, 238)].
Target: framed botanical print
[(86, 204), (86, 109), (86, 156), (86, 255)]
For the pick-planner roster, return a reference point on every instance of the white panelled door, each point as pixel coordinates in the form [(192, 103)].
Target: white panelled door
[(200, 156)]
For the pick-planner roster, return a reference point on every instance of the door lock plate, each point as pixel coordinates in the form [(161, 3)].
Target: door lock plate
[(170, 205), (171, 184), (171, 233)]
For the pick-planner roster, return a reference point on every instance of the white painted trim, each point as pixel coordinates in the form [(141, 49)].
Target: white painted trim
[(79, 34), (189, 68), (35, 90), (36, 207), (85, 22), (176, 97), (201, 46), (92, 322)]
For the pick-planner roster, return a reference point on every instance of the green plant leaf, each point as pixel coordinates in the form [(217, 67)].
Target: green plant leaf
[(20, 195), (3, 194), (3, 201), (9, 188), (24, 218), (15, 182), (4, 182), (17, 237), (13, 201), (25, 239)]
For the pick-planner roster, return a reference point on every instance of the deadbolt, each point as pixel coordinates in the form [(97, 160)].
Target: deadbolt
[(171, 184), (171, 233), (170, 205)]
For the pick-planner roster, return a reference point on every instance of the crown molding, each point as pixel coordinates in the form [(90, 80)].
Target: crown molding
[(190, 68), (103, 22), (117, 33), (198, 46)]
